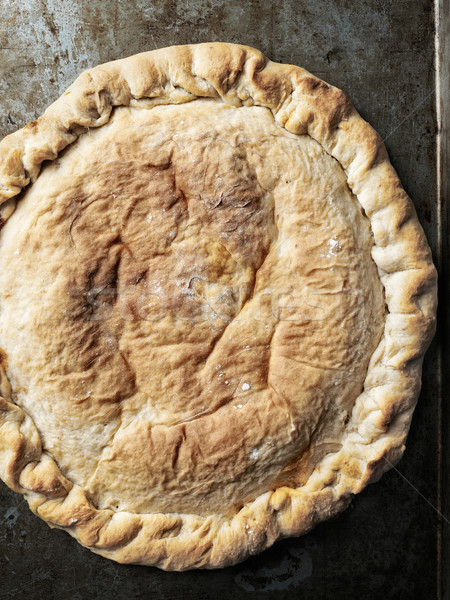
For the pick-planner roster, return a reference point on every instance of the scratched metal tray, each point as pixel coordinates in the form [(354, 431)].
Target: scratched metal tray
[(393, 541)]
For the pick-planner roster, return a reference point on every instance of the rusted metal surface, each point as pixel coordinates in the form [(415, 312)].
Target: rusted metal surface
[(382, 53), (443, 255)]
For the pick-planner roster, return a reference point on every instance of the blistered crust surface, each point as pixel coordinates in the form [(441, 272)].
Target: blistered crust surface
[(228, 251)]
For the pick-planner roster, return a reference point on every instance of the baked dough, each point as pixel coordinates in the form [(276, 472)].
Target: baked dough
[(215, 298)]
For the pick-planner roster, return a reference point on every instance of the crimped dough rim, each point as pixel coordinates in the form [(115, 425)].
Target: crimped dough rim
[(375, 435)]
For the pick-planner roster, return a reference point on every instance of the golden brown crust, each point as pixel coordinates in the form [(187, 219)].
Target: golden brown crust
[(376, 430)]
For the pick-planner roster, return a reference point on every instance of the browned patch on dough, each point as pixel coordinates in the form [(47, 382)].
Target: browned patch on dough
[(3, 359)]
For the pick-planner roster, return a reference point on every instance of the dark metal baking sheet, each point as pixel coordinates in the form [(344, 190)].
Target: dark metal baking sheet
[(391, 543)]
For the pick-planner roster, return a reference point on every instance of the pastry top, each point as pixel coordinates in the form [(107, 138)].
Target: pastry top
[(215, 298), (218, 307)]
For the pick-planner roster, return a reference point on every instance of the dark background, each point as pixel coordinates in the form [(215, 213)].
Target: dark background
[(388, 544)]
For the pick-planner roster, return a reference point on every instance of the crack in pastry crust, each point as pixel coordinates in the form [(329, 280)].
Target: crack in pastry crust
[(237, 216)]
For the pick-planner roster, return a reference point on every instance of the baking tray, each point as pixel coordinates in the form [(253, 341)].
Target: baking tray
[(392, 59)]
